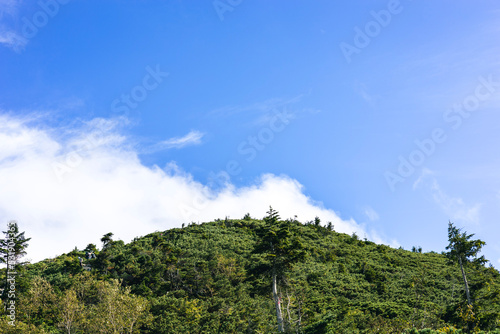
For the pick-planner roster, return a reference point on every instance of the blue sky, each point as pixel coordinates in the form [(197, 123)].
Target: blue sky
[(136, 116)]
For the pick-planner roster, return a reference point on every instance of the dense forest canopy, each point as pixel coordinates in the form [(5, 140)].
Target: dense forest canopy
[(254, 276)]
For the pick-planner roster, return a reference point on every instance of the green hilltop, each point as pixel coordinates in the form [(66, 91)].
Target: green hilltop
[(217, 277)]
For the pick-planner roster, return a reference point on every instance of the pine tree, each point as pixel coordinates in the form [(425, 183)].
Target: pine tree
[(464, 251), (12, 249), (107, 240), (279, 248)]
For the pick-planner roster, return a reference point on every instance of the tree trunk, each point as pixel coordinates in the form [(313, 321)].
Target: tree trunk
[(5, 293), (465, 281), (277, 303)]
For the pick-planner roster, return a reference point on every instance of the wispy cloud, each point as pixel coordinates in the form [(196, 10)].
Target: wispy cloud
[(9, 7), (192, 138), (426, 173), (8, 37), (12, 40), (453, 65), (261, 113), (362, 90), (259, 107), (371, 213), (454, 207)]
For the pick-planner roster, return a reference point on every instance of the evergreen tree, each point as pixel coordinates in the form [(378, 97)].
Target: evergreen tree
[(12, 249), (464, 251), (279, 248), (107, 240)]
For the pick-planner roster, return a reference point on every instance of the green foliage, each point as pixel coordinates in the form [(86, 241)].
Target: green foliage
[(12, 249), (279, 246), (13, 246), (215, 278), (462, 249), (477, 312)]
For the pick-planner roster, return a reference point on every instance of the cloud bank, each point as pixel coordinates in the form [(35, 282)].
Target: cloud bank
[(68, 186)]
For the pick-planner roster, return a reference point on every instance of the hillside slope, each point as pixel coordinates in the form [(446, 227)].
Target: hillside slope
[(205, 279)]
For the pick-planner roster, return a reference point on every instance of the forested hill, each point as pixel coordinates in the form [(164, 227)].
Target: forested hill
[(217, 277)]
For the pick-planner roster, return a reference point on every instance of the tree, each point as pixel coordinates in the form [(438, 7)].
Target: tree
[(38, 303), (329, 226), (107, 240), (71, 310), (91, 248), (117, 310), (279, 248), (464, 251), (12, 249)]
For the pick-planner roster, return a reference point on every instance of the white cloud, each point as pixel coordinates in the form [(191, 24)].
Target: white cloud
[(454, 207), (192, 138), (12, 40), (99, 185)]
